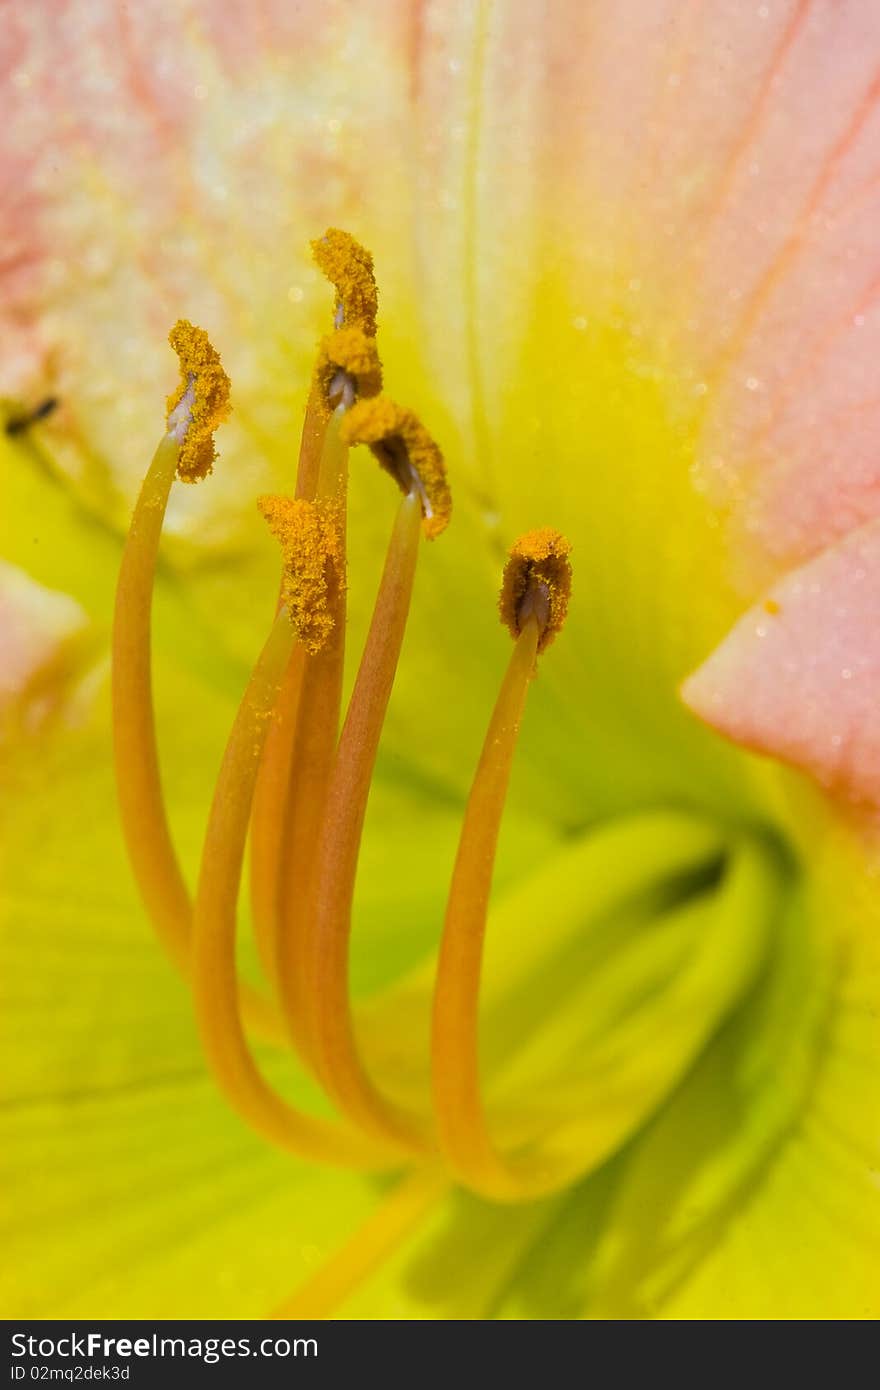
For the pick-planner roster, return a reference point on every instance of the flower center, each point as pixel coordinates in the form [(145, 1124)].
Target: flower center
[(645, 934)]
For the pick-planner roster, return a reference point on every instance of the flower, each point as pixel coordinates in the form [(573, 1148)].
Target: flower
[(628, 277)]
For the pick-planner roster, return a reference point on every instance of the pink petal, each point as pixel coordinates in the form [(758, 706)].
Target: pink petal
[(799, 675), (173, 159), (710, 177), (705, 178), (712, 172)]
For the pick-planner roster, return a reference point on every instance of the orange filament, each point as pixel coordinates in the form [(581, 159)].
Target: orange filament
[(214, 924), (267, 815), (311, 445), (136, 757), (332, 1041), (309, 766), (138, 781), (458, 1106), (270, 795), (310, 769), (380, 1236)]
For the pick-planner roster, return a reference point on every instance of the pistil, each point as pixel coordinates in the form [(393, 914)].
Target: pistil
[(185, 451)]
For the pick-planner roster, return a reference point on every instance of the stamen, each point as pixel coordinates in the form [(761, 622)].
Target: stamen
[(200, 403), (458, 1105), (349, 268), (328, 925), (310, 771), (348, 366), (296, 765), (311, 444), (270, 794), (404, 448), (314, 563), (214, 979), (380, 1236), (267, 816), (319, 439), (537, 583), (138, 780)]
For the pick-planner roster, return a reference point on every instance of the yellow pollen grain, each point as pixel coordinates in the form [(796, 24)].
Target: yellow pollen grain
[(201, 368), (537, 581), (351, 351), (313, 550), (349, 268), (771, 606), (404, 448)]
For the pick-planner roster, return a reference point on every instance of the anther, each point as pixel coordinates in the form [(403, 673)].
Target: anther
[(537, 584), (311, 539), (348, 367), (403, 447), (200, 403), (349, 268)]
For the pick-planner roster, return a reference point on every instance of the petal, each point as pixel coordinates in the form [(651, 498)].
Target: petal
[(754, 1192), (798, 675), (673, 162), (775, 1221), (135, 208), (156, 1202), (455, 1264)]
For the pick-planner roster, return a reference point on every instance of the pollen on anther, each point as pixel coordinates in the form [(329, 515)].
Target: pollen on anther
[(404, 448), (313, 551), (348, 362), (349, 268), (200, 403), (537, 584)]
